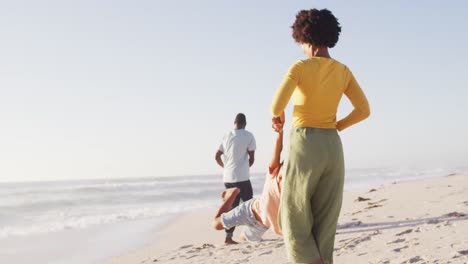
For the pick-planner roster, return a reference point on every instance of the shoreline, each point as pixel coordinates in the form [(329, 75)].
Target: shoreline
[(412, 221), (78, 246)]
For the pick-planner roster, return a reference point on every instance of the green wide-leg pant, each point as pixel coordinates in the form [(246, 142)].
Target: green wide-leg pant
[(312, 194)]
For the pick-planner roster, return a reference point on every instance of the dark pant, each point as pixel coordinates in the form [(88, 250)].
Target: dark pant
[(246, 193)]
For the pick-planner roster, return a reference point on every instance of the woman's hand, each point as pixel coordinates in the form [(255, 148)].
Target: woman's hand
[(278, 123)]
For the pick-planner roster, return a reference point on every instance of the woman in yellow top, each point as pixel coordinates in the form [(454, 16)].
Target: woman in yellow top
[(314, 169)]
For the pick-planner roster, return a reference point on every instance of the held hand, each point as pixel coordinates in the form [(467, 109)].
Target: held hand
[(278, 123)]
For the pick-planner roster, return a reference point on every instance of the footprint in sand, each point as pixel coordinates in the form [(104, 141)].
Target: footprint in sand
[(400, 249), (353, 242), (397, 241), (361, 199), (373, 203), (455, 214), (405, 232), (189, 257), (414, 260), (185, 246), (373, 206), (208, 246), (355, 213), (266, 253), (246, 260)]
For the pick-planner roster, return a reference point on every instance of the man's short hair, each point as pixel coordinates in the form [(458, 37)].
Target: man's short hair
[(240, 119)]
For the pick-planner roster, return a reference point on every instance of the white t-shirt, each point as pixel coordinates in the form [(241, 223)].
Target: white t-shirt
[(235, 145)]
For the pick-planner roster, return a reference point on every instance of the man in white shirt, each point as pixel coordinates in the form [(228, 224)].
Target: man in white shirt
[(238, 148)]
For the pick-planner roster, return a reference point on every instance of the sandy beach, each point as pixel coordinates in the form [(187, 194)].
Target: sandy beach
[(419, 221)]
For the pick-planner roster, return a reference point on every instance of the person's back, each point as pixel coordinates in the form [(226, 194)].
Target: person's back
[(316, 86), (235, 147), (313, 183)]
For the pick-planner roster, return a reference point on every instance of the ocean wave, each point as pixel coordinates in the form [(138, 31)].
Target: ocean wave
[(102, 186), (142, 197), (58, 222)]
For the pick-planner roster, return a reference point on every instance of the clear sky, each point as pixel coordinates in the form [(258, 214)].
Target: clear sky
[(103, 89)]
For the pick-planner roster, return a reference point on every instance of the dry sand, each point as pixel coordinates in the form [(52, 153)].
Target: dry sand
[(423, 221)]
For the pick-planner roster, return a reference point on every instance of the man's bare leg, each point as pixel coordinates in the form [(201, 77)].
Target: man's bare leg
[(228, 197)]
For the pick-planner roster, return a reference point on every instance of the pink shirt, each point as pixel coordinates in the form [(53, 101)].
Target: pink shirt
[(268, 203)]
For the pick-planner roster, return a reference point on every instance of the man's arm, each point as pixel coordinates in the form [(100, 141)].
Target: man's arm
[(251, 150), (251, 157), (275, 160), (218, 158)]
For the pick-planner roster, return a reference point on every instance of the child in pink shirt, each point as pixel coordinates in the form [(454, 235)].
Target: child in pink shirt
[(257, 215)]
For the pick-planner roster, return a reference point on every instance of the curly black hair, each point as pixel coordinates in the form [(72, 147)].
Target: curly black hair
[(316, 27)]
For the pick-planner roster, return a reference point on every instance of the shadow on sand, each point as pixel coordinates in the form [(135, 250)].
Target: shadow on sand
[(359, 227)]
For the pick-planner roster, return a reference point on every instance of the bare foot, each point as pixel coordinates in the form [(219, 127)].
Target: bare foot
[(229, 241)]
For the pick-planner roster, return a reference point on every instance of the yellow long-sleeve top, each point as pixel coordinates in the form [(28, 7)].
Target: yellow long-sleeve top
[(316, 86)]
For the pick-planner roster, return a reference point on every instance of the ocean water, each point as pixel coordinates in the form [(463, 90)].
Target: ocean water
[(44, 207), (44, 211)]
